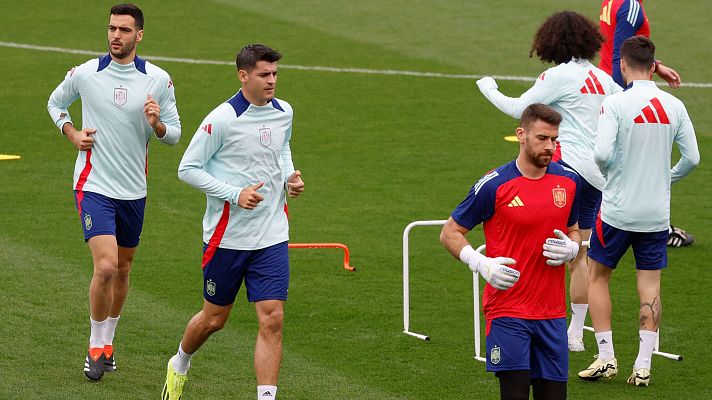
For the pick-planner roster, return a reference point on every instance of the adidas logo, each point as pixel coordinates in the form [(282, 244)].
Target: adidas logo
[(653, 117), (603, 341), (592, 86), (516, 202), (208, 128), (267, 393)]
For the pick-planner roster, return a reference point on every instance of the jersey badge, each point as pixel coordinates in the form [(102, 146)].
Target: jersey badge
[(120, 96), (210, 287), (265, 136), (495, 356), (559, 196), (87, 222)]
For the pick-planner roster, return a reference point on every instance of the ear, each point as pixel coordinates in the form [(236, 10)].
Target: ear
[(242, 75), (139, 35), (520, 134)]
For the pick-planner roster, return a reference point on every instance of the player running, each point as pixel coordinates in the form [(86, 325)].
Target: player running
[(524, 205), (125, 101), (240, 157), (633, 149), (575, 88)]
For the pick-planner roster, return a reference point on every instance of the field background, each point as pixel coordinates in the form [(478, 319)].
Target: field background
[(376, 152)]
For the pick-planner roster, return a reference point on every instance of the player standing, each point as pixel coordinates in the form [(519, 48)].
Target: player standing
[(521, 205), (619, 20), (575, 88), (633, 149), (240, 157), (125, 101)]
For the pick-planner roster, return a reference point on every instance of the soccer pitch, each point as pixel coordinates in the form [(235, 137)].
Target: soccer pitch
[(376, 151)]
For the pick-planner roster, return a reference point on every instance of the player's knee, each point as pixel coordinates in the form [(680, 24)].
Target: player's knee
[(105, 269), (272, 322), (214, 323)]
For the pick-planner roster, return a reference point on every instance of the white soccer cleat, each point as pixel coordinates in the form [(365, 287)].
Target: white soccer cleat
[(600, 369), (640, 377), (576, 344)]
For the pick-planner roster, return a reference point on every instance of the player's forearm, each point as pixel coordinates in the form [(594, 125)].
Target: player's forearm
[(208, 184), (452, 238)]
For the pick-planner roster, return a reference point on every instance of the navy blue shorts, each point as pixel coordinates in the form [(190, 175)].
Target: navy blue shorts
[(265, 272), (539, 346), (609, 244), (101, 215), (589, 202)]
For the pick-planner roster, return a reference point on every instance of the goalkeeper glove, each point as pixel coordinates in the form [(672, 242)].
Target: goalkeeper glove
[(494, 270), (560, 251)]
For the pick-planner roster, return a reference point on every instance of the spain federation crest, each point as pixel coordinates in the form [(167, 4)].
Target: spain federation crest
[(87, 222), (210, 287), (265, 136), (559, 197), (120, 96), (495, 356)]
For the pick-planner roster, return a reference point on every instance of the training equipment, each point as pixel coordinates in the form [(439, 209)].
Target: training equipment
[(600, 369), (326, 246), (494, 270), (94, 364), (639, 377), (560, 251), (173, 387), (4, 157), (406, 289)]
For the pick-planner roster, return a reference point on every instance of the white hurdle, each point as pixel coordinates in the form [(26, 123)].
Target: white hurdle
[(406, 290)]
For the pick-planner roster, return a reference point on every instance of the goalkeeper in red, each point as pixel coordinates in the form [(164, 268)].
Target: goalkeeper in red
[(528, 209)]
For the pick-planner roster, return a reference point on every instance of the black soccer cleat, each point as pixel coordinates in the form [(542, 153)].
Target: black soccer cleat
[(109, 362), (679, 238), (94, 364)]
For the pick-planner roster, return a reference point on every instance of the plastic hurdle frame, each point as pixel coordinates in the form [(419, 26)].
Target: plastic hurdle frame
[(341, 246), (475, 297)]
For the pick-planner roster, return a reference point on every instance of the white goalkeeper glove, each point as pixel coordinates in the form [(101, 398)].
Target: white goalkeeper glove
[(560, 251), (494, 270), (487, 83)]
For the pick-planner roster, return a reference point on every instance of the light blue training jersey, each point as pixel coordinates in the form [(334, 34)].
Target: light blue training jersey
[(113, 96), (238, 145), (633, 150)]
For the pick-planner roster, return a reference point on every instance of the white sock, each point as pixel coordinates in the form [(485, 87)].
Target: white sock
[(578, 318), (110, 330), (605, 345), (645, 351), (96, 339), (266, 392), (181, 361)]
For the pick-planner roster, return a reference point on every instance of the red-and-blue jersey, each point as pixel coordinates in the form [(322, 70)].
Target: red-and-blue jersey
[(619, 20), (518, 215)]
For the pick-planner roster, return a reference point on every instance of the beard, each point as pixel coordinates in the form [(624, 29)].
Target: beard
[(125, 50), (542, 159)]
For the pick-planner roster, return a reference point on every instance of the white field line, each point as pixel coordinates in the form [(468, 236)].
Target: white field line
[(307, 67)]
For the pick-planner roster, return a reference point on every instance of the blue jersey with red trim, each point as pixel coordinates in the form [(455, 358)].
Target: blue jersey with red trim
[(518, 215), (619, 20)]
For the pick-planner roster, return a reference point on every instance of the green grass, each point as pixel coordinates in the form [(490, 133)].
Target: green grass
[(376, 152)]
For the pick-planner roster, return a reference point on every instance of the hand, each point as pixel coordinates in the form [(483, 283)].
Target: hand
[(560, 251), (494, 270), (249, 198), (153, 112), (669, 75), (486, 83), (83, 139), (295, 185)]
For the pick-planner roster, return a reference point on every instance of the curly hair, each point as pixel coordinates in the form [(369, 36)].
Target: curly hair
[(566, 35)]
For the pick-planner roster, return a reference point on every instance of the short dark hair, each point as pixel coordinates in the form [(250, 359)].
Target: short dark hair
[(129, 9), (638, 52), (566, 35), (538, 111), (248, 56)]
